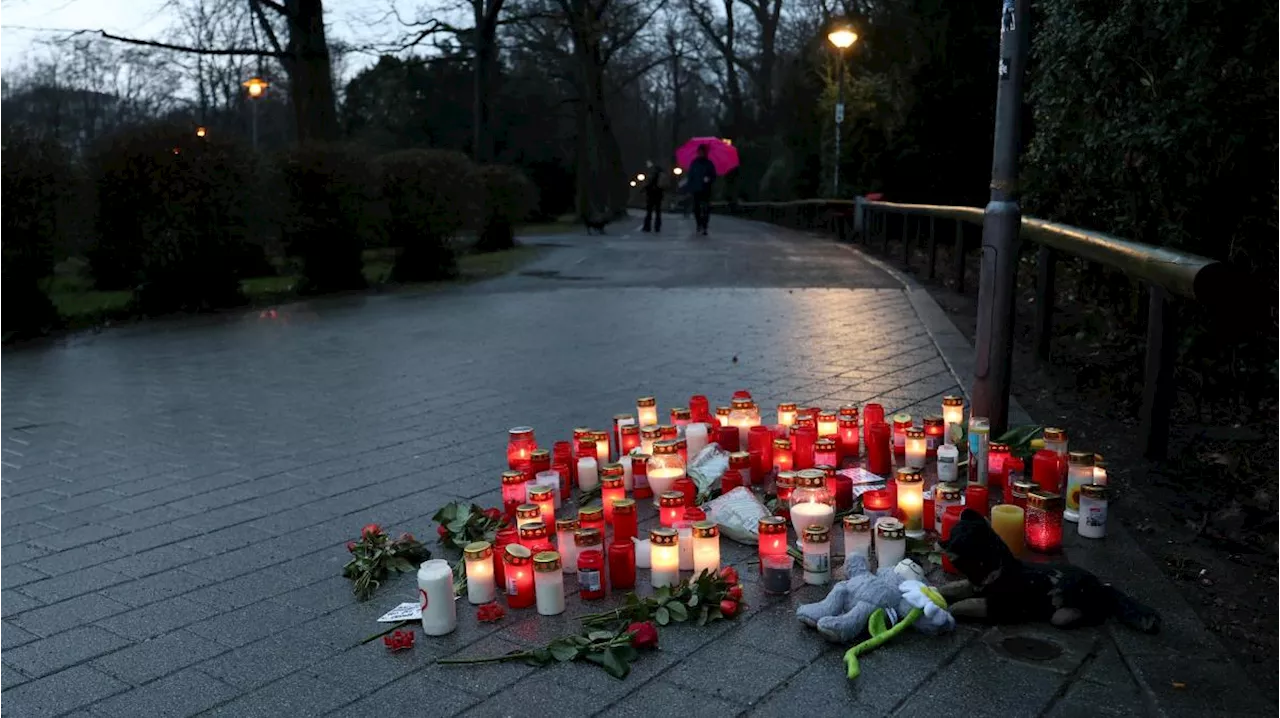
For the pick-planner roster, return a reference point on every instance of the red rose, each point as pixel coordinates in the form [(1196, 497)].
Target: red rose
[(728, 608), (370, 531), (493, 514), (729, 574), (735, 593), (442, 530), (643, 634), (489, 613), (406, 538), (351, 546)]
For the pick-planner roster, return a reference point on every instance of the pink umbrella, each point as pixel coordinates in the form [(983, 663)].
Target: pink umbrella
[(722, 154)]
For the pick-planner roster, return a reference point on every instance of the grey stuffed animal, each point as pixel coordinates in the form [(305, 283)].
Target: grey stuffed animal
[(842, 616)]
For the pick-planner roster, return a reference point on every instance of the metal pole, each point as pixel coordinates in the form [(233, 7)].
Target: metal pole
[(835, 191), (254, 112), (1000, 226)]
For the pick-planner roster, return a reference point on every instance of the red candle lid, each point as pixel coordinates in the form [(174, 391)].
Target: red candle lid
[(693, 513), (878, 500)]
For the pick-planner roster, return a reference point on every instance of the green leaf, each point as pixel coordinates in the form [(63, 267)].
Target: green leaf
[(662, 616), (611, 663), (627, 652), (678, 611), (563, 652), (539, 657), (600, 635), (662, 594), (693, 601), (702, 615)]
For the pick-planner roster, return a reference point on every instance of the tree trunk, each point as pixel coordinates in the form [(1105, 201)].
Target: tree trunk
[(486, 70), (310, 74)]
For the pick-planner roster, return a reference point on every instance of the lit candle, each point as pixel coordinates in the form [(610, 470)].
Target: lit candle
[(602, 446), (785, 486), (917, 448), (815, 548), (640, 476), (664, 557), (435, 589), (629, 438), (591, 518), (911, 500), (588, 476), (872, 414), (944, 497), (953, 418), (722, 416), (1044, 522), (544, 497), (740, 416), (1045, 470), (513, 492), (786, 413), (566, 540), (670, 508), (979, 446), (1079, 473), (642, 551), (877, 504), (901, 422), (619, 421), (828, 424), (664, 467), (772, 538), (695, 435), (1093, 511), (1099, 470), (1007, 521), (682, 448), (520, 444), (978, 498), (681, 416), (548, 580), (849, 440), (740, 462), (539, 461), (649, 435), (627, 481), (533, 536), (857, 535), (611, 489), (706, 548), (1055, 440), (782, 455), (545, 482), (825, 452), (811, 503), (803, 439), (519, 575), (646, 411), (760, 449), (997, 454), (527, 514), (934, 428), (479, 564), (668, 432), (890, 541)]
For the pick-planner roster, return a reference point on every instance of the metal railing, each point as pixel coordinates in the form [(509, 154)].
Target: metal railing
[(1168, 273)]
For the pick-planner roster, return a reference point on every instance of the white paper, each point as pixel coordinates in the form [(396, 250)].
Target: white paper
[(859, 475), (411, 611)]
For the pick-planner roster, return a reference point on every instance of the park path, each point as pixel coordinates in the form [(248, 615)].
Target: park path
[(176, 495)]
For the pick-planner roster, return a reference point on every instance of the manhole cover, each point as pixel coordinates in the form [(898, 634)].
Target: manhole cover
[(1031, 649)]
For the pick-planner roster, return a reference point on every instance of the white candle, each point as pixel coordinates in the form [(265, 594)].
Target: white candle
[(435, 590), (948, 470), (626, 473), (646, 411), (809, 513), (917, 447), (911, 500), (684, 532), (857, 536), (816, 552), (588, 475), (696, 436), (664, 558), (891, 542), (662, 479), (602, 448), (479, 563), (548, 583), (566, 541), (642, 551), (706, 548), (550, 479)]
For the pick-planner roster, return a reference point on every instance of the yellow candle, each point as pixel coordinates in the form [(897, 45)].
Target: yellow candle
[(911, 500), (1007, 521)]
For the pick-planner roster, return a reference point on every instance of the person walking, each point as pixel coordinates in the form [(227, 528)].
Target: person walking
[(653, 192), (701, 175)]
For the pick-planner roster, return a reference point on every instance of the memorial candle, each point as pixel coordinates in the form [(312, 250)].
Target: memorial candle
[(787, 413), (825, 452), (539, 461), (1013, 473), (519, 576), (520, 444), (978, 498), (849, 439), (722, 417), (435, 589), (668, 432), (1045, 470), (629, 438), (950, 518), (611, 489), (513, 492), (681, 416), (1044, 522), (592, 584), (877, 504), (602, 446), (619, 421), (706, 548), (640, 476), (502, 539), (664, 557), (727, 438), (997, 454), (527, 514), (1055, 440), (952, 418), (917, 448), (1099, 470), (911, 500), (622, 565), (695, 435), (828, 424), (533, 536), (682, 448), (1008, 523), (479, 566), (664, 467), (816, 549), (740, 416), (979, 446), (544, 497), (1019, 491), (811, 503), (948, 464), (591, 518), (729, 481), (782, 458), (1093, 511), (564, 462), (588, 468), (841, 487), (627, 483), (934, 429), (803, 439), (945, 496), (901, 422), (548, 583), (1079, 473), (670, 508), (649, 435), (625, 525), (700, 408), (550, 482), (646, 411), (879, 461), (772, 538), (740, 461), (760, 448), (566, 541), (686, 488), (785, 487), (857, 535), (642, 551), (890, 542), (872, 414)]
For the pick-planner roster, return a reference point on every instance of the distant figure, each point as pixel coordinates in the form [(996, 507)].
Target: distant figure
[(702, 173), (653, 199)]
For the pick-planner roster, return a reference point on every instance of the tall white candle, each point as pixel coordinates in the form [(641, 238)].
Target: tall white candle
[(890, 542), (435, 590), (588, 473), (548, 583), (917, 448), (567, 542), (816, 553), (696, 436), (684, 532), (809, 513), (550, 479), (642, 551), (627, 483), (479, 563), (664, 558), (706, 547)]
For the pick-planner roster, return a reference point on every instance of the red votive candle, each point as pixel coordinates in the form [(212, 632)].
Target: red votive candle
[(612, 489), (950, 517), (976, 497), (730, 480), (682, 448), (640, 476), (928, 513), (562, 453), (1044, 522), (681, 416), (670, 508), (934, 428), (628, 439), (668, 432), (518, 576), (843, 492), (872, 414), (849, 439), (803, 439), (539, 461), (625, 521), (740, 461), (727, 437), (615, 437), (782, 455), (901, 422), (622, 565), (503, 539), (878, 504), (591, 517), (534, 537), (760, 446), (686, 488), (1045, 470), (784, 486), (700, 408), (997, 455), (592, 585), (772, 538), (879, 461), (566, 486), (520, 444), (1013, 467), (513, 492), (825, 453)]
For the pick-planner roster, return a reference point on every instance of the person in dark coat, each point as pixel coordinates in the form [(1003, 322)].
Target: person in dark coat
[(653, 199), (701, 175)]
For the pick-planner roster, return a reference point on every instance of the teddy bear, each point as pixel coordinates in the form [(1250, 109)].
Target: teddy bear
[(842, 616)]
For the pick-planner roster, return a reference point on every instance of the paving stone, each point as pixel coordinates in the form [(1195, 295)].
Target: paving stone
[(485, 679), (75, 583), (158, 559), (154, 619), (754, 674), (408, 696), (776, 630), (661, 699), (184, 693), (1192, 685), (1087, 698), (1016, 693), (146, 661), (73, 612), (538, 697), (15, 576), (266, 660), (76, 537), (61, 692), (157, 587), (49, 655), (295, 695), (74, 559), (13, 603), (251, 623), (12, 636)]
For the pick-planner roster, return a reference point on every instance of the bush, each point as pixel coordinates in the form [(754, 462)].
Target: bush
[(506, 198), (38, 181), (172, 217), (425, 193), (328, 199)]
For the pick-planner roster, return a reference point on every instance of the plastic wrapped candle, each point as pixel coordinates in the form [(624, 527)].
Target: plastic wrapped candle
[(588, 468), (1093, 511), (622, 565), (1044, 522), (997, 454), (825, 452), (695, 434), (520, 444), (950, 518), (611, 489), (642, 551), (879, 461), (877, 504), (890, 542), (828, 424), (548, 583), (760, 448), (624, 520), (782, 458), (811, 503), (978, 498), (664, 467), (527, 514), (1079, 473), (740, 461), (592, 584), (591, 518), (534, 537), (1044, 470), (519, 576), (901, 422), (948, 466), (544, 497), (911, 500), (670, 508), (1008, 522), (1055, 440), (952, 418), (944, 497), (547, 482), (772, 537), (664, 557), (646, 411), (629, 437), (706, 548), (435, 590), (849, 439), (640, 476), (479, 566), (1019, 490), (979, 446), (857, 535), (934, 428), (681, 416), (786, 413), (566, 542), (917, 449), (649, 435), (803, 439), (816, 551), (513, 492), (700, 408)]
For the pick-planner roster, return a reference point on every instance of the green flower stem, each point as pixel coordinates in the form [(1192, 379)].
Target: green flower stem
[(389, 630), (851, 656), (491, 659)]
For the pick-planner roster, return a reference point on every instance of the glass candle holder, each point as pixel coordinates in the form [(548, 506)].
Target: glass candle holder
[(1099, 470), (979, 444), (1044, 522), (643, 551), (806, 417), (934, 430), (612, 489), (803, 439), (786, 413), (978, 498), (562, 453), (877, 503), (811, 503), (668, 432), (548, 583), (771, 538), (872, 414), (1019, 490), (513, 492), (843, 492), (1009, 523), (591, 518), (997, 454), (740, 416), (948, 458), (544, 497), (549, 480), (681, 416), (640, 476), (518, 571), (646, 411), (670, 508), (527, 514), (1055, 440), (534, 536), (722, 417), (901, 422), (953, 419), (917, 449), (592, 584), (857, 535), (727, 438), (602, 446), (481, 587), (664, 467), (785, 487), (1093, 511), (706, 548), (729, 481), (622, 565), (539, 461), (950, 518), (1013, 473), (740, 461), (911, 500), (828, 424), (588, 469), (625, 521), (435, 588), (944, 497), (587, 539), (697, 436), (879, 460), (782, 457), (825, 452), (615, 437), (682, 448), (566, 541), (760, 448), (628, 438), (890, 542), (850, 441), (664, 557), (1079, 473), (520, 444), (686, 488), (502, 539), (700, 408), (1045, 470), (649, 435), (816, 549)]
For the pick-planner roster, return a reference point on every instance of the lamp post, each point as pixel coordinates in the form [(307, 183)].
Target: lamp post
[(842, 39), (255, 86), (1000, 225)]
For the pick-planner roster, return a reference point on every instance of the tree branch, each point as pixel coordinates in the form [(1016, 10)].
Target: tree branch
[(181, 48), (256, 6), (274, 6)]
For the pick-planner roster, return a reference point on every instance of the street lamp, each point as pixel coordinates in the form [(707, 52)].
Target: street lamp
[(201, 132), (677, 172), (842, 39), (633, 183), (256, 86), (640, 177)]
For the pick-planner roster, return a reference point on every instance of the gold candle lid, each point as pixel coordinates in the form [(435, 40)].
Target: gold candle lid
[(517, 555), (621, 417), (541, 493), (998, 448), (782, 443), (588, 537), (628, 429), (1044, 501), (817, 533), (706, 529), (909, 475), (528, 511), (667, 428), (670, 499), (680, 412), (828, 471), (613, 482), (786, 479), (582, 432), (849, 411), (933, 420), (646, 401), (1094, 491), (651, 431), (533, 529), (772, 525), (546, 562), (826, 443), (638, 458), (539, 454), (914, 433), (722, 411), (1053, 433), (810, 479), (567, 525), (611, 470), (664, 537), (738, 458), (953, 401), (624, 507), (890, 528), (520, 432), (741, 403), (949, 492), (665, 448), (588, 514), (858, 523), (1023, 487), (1080, 458), (477, 550), (512, 477), (827, 416)]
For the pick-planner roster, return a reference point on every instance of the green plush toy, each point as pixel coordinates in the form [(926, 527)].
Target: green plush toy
[(925, 602)]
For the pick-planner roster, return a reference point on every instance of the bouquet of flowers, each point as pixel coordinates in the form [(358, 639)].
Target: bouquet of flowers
[(461, 524), (375, 555), (705, 599)]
